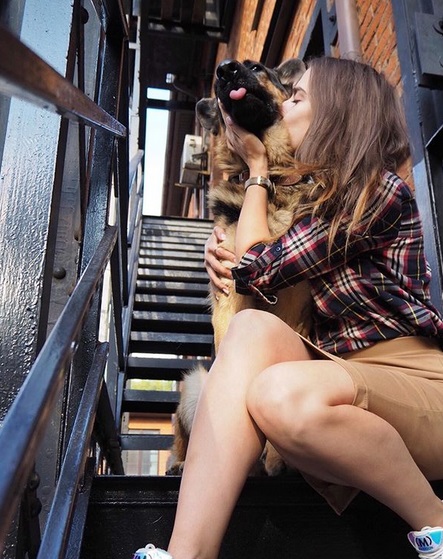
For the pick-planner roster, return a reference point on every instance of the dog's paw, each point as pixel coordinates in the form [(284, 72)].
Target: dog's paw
[(273, 463), (176, 469)]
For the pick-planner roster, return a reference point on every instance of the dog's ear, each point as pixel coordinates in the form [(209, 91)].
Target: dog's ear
[(290, 71), (208, 114)]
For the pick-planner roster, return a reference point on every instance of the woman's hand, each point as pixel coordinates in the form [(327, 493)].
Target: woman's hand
[(247, 145), (217, 260)]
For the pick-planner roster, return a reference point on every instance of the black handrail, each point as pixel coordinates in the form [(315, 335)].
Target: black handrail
[(25, 422), (55, 538), (24, 74)]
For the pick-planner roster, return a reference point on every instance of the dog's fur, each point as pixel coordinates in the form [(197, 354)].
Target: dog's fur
[(259, 111)]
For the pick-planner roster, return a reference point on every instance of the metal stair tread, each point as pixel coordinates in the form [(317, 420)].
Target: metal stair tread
[(171, 343), (153, 285), (187, 231), (152, 299), (171, 254), (172, 337), (174, 238), (158, 244), (171, 317), (146, 442), (279, 516), (147, 361), (164, 321), (171, 263), (193, 225), (150, 401), (173, 275), (146, 366)]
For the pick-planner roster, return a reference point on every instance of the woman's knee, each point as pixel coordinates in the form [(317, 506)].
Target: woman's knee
[(259, 332), (290, 399), (271, 402), (251, 323)]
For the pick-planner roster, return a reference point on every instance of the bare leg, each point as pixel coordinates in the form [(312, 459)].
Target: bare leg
[(264, 383), (225, 441), (303, 408)]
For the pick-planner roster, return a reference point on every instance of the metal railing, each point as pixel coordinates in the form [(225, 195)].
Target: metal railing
[(95, 422), (24, 424)]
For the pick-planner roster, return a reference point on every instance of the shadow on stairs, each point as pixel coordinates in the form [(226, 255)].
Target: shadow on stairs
[(275, 518)]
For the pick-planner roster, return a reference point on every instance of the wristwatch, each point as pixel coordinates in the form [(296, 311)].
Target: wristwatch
[(264, 182)]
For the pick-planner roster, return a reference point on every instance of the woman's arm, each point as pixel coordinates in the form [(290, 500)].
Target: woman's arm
[(252, 225), (305, 250)]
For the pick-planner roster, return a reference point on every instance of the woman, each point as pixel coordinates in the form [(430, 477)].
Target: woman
[(360, 405)]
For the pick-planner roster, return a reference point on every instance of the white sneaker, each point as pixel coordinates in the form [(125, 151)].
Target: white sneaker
[(151, 552), (428, 542)]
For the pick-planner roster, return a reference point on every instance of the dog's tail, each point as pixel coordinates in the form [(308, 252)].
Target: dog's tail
[(192, 385), (191, 388)]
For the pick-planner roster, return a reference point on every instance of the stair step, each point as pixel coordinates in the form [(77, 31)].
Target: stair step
[(153, 321), (172, 264), (144, 367), (156, 244), (173, 275), (191, 253), (172, 221), (171, 303), (150, 401), (146, 442), (194, 225), (170, 342), (175, 238), (175, 232), (172, 288), (275, 517)]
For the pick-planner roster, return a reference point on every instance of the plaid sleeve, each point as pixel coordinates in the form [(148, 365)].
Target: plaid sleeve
[(251, 268), (304, 252), (301, 253)]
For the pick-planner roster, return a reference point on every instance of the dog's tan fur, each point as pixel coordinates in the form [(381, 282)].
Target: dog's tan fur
[(293, 303)]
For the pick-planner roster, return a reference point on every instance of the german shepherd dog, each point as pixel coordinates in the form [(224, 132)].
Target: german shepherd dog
[(252, 95)]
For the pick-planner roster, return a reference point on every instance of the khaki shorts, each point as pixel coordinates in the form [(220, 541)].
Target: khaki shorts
[(401, 381)]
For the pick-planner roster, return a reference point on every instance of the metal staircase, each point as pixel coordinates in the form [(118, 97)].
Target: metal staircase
[(171, 325)]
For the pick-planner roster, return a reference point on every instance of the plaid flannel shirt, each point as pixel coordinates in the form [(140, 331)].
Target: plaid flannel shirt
[(373, 287)]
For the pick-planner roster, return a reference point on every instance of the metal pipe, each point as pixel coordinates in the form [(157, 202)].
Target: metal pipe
[(348, 29)]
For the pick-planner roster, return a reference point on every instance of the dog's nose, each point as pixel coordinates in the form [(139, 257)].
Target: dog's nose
[(227, 69)]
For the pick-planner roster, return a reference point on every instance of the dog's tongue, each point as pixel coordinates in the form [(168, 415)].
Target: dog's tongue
[(237, 94)]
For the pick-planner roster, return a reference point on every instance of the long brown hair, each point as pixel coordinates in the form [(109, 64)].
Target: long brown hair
[(357, 131)]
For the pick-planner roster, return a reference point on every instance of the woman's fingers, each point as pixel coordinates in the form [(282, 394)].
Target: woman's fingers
[(216, 258)]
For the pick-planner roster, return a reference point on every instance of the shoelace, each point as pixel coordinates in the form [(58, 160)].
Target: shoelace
[(150, 547), (433, 555)]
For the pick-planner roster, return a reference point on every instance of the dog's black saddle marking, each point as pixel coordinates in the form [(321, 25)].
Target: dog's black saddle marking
[(229, 212)]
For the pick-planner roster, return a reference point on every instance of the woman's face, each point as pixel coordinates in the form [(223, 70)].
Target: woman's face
[(297, 111)]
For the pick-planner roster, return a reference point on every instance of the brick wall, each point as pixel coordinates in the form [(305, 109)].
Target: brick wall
[(377, 33), (302, 18), (247, 41)]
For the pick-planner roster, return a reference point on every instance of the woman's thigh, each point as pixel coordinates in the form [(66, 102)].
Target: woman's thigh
[(411, 404), (401, 381), (296, 388)]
